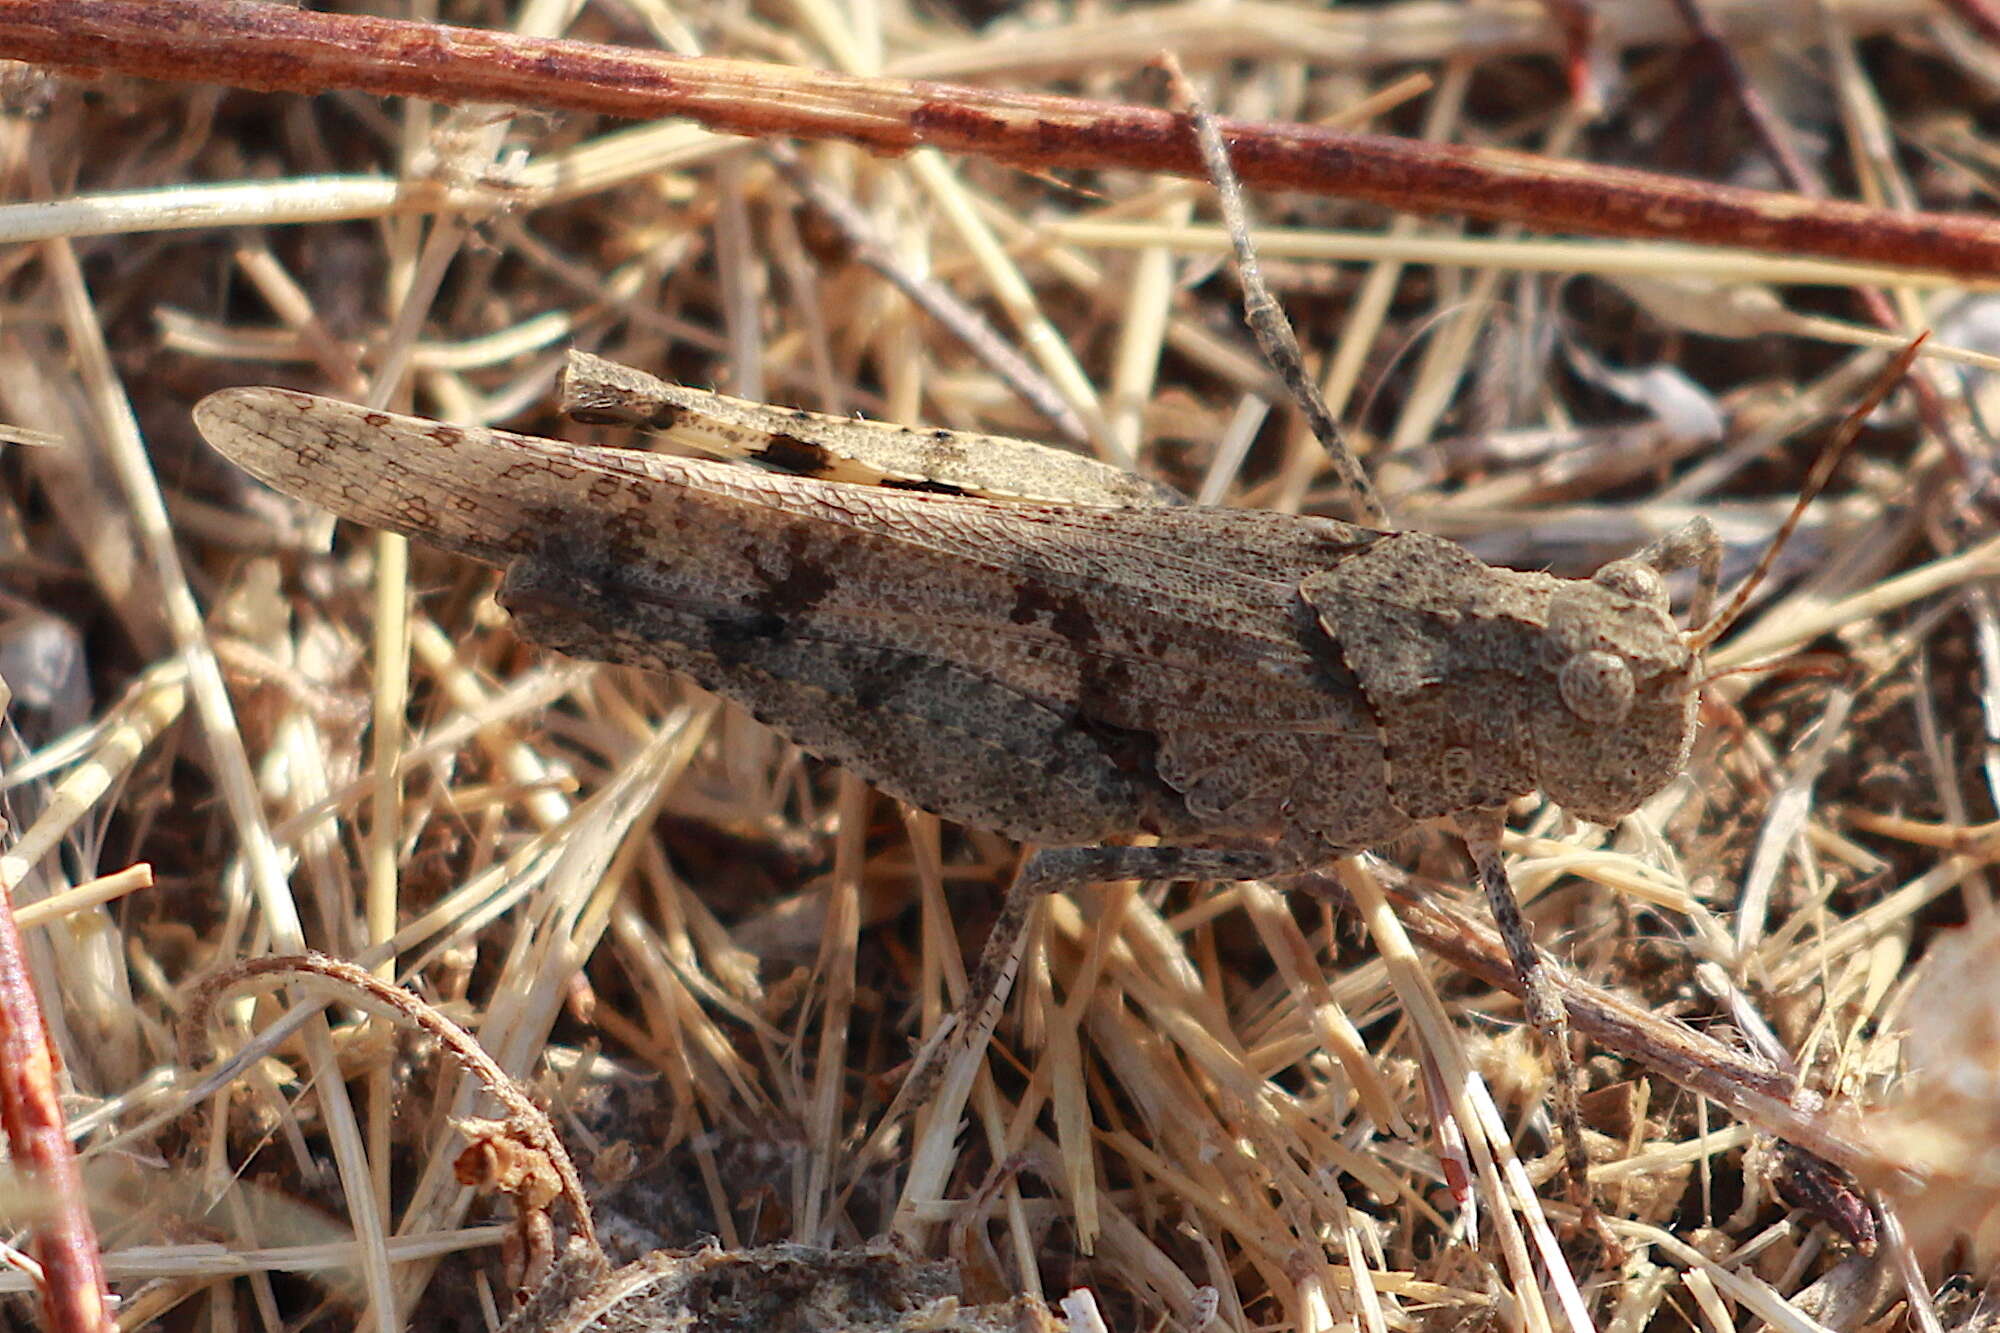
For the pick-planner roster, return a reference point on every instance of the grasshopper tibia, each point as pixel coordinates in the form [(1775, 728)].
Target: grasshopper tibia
[(1052, 870)]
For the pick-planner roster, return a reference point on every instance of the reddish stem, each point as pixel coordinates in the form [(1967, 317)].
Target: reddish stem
[(273, 47), (74, 1296)]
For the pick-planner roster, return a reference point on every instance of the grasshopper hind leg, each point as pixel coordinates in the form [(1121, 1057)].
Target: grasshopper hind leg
[(1050, 870)]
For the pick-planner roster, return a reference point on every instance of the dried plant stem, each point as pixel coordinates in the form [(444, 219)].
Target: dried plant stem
[(74, 1296), (933, 298), (271, 47), (1762, 1094), (528, 1122)]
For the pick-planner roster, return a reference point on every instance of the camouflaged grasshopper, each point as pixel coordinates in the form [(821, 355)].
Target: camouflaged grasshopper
[(1260, 692), (1021, 639), (1257, 691)]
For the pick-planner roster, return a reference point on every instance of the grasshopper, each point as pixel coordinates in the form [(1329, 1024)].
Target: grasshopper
[(1277, 688), (1257, 691), (1023, 640)]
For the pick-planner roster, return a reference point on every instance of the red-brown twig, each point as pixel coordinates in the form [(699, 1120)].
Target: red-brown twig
[(1762, 1094), (1980, 15), (74, 1297), (273, 47)]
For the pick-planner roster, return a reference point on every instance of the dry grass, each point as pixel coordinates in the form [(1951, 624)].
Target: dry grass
[(712, 957)]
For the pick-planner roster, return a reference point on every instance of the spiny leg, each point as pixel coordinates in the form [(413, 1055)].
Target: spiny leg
[(1049, 870), (1541, 996), (1265, 316)]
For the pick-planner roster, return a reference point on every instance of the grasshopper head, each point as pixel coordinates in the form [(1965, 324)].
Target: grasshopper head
[(1629, 680), (1625, 685)]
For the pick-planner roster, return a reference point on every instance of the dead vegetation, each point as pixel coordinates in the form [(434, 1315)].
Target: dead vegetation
[(711, 958)]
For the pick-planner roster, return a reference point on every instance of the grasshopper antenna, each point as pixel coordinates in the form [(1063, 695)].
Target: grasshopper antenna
[(1822, 473), (1262, 312)]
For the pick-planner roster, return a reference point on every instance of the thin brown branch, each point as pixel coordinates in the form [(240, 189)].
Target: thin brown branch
[(521, 1156), (74, 1296), (276, 48), (1762, 1094)]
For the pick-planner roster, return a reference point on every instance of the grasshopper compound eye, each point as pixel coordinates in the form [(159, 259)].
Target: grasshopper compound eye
[(1596, 686)]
